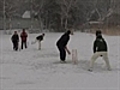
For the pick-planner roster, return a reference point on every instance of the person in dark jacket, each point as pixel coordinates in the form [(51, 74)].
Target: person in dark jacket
[(39, 39), (15, 40), (62, 45), (23, 36), (100, 49)]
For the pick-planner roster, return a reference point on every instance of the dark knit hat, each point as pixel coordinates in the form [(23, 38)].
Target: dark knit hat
[(68, 32), (98, 32), (43, 34)]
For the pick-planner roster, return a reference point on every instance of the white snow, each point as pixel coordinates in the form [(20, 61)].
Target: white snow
[(32, 69)]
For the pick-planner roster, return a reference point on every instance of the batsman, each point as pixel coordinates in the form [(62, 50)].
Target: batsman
[(62, 45)]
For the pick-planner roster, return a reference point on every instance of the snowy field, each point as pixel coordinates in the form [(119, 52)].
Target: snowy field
[(32, 69)]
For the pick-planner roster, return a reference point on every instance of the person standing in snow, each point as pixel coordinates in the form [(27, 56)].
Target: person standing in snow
[(39, 39), (62, 45), (15, 40), (100, 49), (23, 36)]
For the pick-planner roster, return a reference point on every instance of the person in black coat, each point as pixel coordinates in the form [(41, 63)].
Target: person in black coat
[(99, 44), (100, 49), (39, 39), (62, 44), (15, 40)]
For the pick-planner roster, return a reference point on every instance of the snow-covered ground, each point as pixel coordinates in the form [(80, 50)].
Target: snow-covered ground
[(32, 69)]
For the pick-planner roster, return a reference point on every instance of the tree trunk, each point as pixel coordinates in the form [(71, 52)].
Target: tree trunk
[(66, 23)]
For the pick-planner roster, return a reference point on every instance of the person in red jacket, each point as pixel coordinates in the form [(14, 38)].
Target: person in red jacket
[(23, 36)]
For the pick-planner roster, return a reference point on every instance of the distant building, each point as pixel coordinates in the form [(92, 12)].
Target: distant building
[(26, 14)]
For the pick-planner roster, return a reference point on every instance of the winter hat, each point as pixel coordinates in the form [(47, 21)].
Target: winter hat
[(43, 34), (68, 32), (98, 33)]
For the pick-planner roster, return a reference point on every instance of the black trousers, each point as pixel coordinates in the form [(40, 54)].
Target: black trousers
[(62, 53), (15, 45), (23, 43)]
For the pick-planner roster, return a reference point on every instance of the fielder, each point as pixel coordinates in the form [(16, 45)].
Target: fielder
[(99, 49)]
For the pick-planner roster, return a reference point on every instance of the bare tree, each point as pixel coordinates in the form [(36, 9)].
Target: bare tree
[(37, 9), (1, 8), (59, 13), (66, 6)]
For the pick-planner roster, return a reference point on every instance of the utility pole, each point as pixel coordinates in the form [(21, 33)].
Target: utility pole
[(4, 15)]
